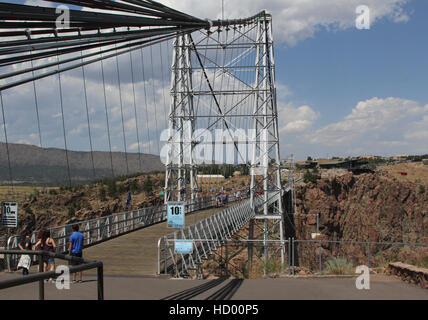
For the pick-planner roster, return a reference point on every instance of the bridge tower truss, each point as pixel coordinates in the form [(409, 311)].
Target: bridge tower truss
[(266, 154), (180, 169), (224, 78)]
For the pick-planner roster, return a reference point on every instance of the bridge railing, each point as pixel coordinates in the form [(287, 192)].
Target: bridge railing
[(104, 228), (207, 235), (84, 264)]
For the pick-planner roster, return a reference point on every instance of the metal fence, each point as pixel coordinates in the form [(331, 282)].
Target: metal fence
[(105, 228), (207, 235), (215, 228), (84, 264), (333, 257), (302, 257)]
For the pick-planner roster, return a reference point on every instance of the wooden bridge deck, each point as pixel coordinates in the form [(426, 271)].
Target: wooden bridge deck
[(136, 253)]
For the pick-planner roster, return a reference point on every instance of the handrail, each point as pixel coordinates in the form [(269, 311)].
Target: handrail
[(105, 228), (86, 264)]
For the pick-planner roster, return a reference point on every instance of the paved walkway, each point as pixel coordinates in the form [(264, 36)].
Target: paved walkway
[(143, 288)]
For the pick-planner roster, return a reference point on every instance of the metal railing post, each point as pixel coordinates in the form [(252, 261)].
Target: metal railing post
[(320, 258), (292, 255), (368, 255), (100, 282), (289, 255), (41, 282)]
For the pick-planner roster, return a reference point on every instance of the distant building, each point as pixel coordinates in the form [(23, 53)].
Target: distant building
[(343, 164), (369, 157), (237, 174), (307, 165), (399, 157), (425, 162), (210, 178)]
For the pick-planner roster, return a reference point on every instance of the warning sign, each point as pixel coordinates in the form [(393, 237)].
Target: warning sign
[(9, 214)]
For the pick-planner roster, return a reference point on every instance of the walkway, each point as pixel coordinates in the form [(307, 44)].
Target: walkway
[(143, 288), (136, 253)]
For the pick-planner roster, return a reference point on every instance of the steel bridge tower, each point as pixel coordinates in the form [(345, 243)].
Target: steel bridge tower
[(180, 169), (257, 105), (265, 114)]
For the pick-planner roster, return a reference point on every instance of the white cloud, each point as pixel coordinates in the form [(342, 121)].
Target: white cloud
[(377, 125), (296, 20), (295, 120), (419, 130)]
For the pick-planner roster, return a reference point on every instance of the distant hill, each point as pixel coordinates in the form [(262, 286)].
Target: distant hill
[(32, 165)]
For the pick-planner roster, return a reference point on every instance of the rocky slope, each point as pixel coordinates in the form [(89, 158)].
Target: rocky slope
[(68, 205), (368, 207)]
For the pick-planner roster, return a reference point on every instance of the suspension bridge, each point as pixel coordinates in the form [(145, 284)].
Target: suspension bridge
[(134, 78), (139, 77)]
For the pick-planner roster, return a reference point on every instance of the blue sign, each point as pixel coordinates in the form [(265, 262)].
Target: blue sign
[(183, 246), (176, 214)]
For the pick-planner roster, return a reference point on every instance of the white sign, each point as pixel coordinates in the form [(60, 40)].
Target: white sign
[(176, 214), (9, 214)]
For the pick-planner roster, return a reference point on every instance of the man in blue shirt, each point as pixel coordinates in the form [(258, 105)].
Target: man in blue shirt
[(75, 248)]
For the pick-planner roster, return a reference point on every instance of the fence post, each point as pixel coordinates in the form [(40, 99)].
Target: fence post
[(292, 255), (100, 282), (368, 255), (41, 282), (289, 255), (320, 258), (227, 257), (410, 254)]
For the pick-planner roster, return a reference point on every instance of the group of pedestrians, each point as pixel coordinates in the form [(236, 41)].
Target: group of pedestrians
[(46, 243)]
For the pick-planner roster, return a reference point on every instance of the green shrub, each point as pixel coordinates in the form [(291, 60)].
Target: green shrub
[(102, 194), (339, 266), (148, 185), (71, 212), (309, 177), (111, 188), (121, 189), (272, 266), (134, 186)]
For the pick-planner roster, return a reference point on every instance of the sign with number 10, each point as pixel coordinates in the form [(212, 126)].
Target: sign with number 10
[(176, 214)]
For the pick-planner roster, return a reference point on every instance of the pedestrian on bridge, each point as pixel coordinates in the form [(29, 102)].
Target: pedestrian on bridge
[(128, 200), (25, 260), (46, 243), (75, 249)]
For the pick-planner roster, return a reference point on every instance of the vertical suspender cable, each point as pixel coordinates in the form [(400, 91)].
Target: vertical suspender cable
[(63, 124), (154, 96), (107, 122), (87, 118), (7, 143), (121, 113), (135, 110), (37, 106), (149, 143), (163, 83)]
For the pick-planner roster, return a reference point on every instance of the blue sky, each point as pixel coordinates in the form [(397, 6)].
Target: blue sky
[(341, 91), (334, 70)]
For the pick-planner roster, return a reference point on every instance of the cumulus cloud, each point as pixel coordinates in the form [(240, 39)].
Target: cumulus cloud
[(295, 119), (377, 125), (296, 20)]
